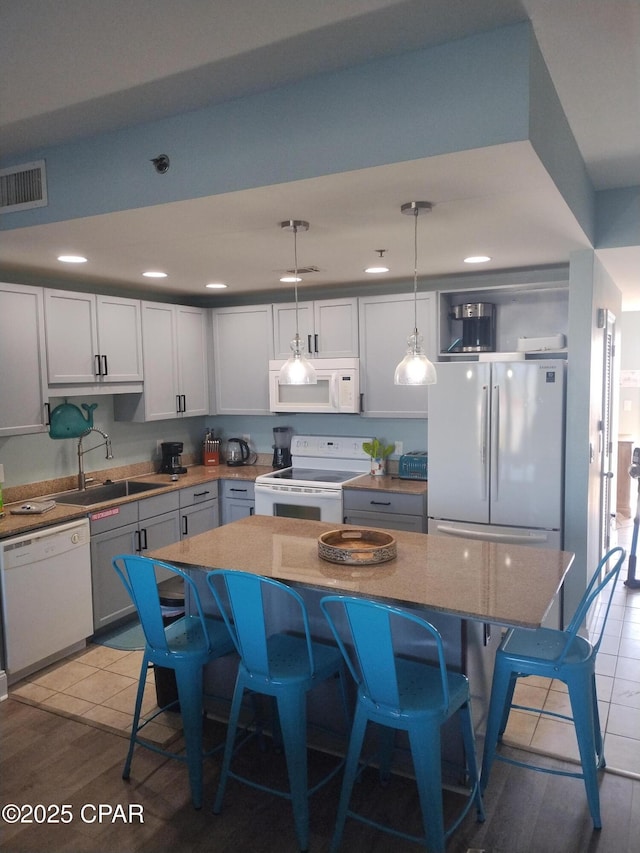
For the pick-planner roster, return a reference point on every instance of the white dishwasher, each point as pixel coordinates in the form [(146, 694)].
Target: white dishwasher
[(46, 595)]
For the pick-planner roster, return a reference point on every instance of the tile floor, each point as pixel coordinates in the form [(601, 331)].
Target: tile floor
[(99, 684), (618, 684)]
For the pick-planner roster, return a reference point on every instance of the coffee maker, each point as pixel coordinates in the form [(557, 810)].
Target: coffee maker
[(282, 447), (478, 326), (171, 460)]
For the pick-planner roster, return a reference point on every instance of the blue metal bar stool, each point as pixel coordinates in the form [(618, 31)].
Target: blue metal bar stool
[(401, 694), (184, 646), (568, 657), (281, 665)]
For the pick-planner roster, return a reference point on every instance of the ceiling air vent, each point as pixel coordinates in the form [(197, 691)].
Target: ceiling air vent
[(303, 270), (23, 187)]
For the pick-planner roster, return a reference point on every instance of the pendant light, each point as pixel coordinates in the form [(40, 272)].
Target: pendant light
[(415, 368), (297, 369)]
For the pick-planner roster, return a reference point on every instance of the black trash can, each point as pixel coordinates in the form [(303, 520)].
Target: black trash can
[(172, 605)]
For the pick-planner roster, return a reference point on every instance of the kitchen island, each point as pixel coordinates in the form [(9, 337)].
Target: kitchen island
[(467, 589), (489, 582)]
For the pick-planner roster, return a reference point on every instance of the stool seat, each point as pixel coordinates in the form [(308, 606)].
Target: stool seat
[(565, 656)]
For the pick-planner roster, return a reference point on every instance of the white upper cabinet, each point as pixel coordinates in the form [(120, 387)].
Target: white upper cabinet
[(23, 379), (385, 324), (174, 346), (92, 339), (242, 342), (328, 328)]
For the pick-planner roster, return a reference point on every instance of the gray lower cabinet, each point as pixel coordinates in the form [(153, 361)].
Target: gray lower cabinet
[(373, 508), (238, 499), (199, 509), (137, 528)]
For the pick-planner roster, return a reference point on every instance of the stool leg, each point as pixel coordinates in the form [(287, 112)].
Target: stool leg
[(230, 742), (292, 711), (466, 724), (350, 772), (425, 749), (501, 692), (189, 683), (580, 688), (136, 716)]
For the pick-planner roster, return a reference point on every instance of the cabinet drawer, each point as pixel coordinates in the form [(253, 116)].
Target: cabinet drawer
[(113, 517), (198, 494), (239, 489), (375, 501), (158, 504)]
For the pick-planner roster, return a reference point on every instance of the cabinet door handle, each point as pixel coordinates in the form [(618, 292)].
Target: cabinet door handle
[(200, 494), (233, 489), (138, 542), (96, 365), (184, 402), (177, 403), (252, 510), (143, 538), (47, 409), (105, 371), (309, 344), (380, 503), (185, 523), (315, 343)]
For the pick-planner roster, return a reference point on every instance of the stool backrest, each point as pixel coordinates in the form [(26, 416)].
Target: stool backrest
[(138, 574), (249, 606), (601, 588), (366, 633)]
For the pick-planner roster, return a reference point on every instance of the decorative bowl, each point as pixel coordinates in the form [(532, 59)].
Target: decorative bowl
[(357, 546)]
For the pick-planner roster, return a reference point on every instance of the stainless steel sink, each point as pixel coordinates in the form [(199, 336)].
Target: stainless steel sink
[(106, 492)]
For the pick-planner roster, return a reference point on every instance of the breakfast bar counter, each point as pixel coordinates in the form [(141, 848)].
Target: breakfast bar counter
[(510, 585), (463, 587)]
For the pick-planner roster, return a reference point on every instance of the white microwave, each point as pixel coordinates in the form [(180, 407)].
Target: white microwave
[(336, 391)]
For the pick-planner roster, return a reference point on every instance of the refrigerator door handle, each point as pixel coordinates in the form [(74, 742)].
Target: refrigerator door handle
[(484, 431), (486, 536), (495, 442)]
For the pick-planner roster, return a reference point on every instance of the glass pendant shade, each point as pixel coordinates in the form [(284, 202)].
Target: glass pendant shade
[(415, 368), (297, 369)]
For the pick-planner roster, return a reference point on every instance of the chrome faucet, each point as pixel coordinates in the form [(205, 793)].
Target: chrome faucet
[(82, 480)]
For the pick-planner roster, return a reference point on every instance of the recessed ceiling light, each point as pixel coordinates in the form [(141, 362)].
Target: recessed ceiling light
[(290, 279), (216, 285), (72, 259), (477, 259), (154, 274)]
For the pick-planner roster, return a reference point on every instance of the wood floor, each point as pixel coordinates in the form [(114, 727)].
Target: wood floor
[(48, 759)]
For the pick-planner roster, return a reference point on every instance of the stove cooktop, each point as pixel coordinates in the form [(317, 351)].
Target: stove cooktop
[(312, 475)]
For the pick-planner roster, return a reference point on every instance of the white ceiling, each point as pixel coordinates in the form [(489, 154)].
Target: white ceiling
[(75, 68)]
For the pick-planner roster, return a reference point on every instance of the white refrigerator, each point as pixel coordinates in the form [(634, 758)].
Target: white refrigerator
[(496, 451)]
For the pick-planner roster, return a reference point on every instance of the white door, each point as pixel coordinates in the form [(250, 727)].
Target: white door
[(608, 321), (458, 442), (527, 439)]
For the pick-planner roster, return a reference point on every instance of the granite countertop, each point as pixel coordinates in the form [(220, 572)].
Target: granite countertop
[(15, 525), (388, 483), (487, 581)]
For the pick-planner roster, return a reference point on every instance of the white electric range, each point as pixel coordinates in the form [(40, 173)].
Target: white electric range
[(312, 487)]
